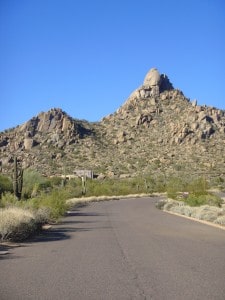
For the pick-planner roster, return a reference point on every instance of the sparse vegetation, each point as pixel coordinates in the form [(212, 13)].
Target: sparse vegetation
[(193, 193), (16, 223), (34, 183), (46, 199), (192, 199), (209, 213), (198, 200), (164, 145), (5, 184)]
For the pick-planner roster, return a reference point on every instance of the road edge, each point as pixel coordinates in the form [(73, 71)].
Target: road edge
[(196, 220)]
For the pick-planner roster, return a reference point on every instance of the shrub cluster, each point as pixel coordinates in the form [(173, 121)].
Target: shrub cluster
[(16, 223), (5, 184), (53, 202), (193, 193), (44, 199), (209, 213)]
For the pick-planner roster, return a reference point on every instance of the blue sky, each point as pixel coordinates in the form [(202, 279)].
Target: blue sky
[(86, 57)]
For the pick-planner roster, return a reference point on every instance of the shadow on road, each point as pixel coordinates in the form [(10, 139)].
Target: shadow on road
[(75, 213), (6, 248), (65, 227), (60, 231)]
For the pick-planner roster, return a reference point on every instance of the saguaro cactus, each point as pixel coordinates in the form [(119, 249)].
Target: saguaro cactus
[(17, 180)]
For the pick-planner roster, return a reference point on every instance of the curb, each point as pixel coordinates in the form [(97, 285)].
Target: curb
[(4, 252), (196, 220)]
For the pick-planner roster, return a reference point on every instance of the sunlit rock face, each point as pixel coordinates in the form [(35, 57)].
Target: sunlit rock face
[(156, 81), (157, 130), (152, 78), (154, 84)]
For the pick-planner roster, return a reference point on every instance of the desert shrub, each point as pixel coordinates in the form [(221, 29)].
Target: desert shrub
[(174, 186), (46, 206), (220, 220), (207, 199), (114, 187), (55, 181), (198, 186), (16, 223), (160, 184), (169, 205), (8, 199), (5, 184), (42, 215), (161, 203), (151, 185), (55, 202), (185, 210), (98, 188), (73, 188), (196, 189), (206, 213), (33, 183)]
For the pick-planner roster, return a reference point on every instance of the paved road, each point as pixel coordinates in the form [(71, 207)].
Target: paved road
[(118, 250)]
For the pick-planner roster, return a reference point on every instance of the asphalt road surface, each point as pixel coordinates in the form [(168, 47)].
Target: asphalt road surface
[(123, 249)]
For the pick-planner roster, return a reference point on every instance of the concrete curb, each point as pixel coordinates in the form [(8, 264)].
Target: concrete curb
[(4, 252), (196, 220)]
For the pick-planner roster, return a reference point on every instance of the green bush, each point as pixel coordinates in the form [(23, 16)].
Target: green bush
[(114, 187), (55, 181), (160, 184), (8, 199), (198, 187), (73, 188), (5, 184), (174, 186), (119, 186), (16, 223), (208, 199), (195, 187), (34, 183), (54, 201)]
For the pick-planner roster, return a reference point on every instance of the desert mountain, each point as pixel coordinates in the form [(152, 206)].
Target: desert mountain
[(157, 131)]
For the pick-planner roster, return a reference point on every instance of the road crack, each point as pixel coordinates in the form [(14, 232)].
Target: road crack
[(128, 264)]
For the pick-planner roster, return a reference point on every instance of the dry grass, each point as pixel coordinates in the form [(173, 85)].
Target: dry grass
[(18, 223), (206, 212), (220, 220), (85, 200), (15, 223)]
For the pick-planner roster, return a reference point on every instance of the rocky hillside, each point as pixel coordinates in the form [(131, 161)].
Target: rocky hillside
[(157, 131)]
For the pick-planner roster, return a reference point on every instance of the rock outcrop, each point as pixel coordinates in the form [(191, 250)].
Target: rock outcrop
[(157, 130), (153, 85)]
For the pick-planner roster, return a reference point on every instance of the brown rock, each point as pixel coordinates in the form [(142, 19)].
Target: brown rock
[(29, 143)]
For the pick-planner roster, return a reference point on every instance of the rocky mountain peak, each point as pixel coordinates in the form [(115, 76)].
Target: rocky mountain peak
[(157, 129), (152, 78), (156, 82), (155, 87), (54, 120), (54, 128)]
